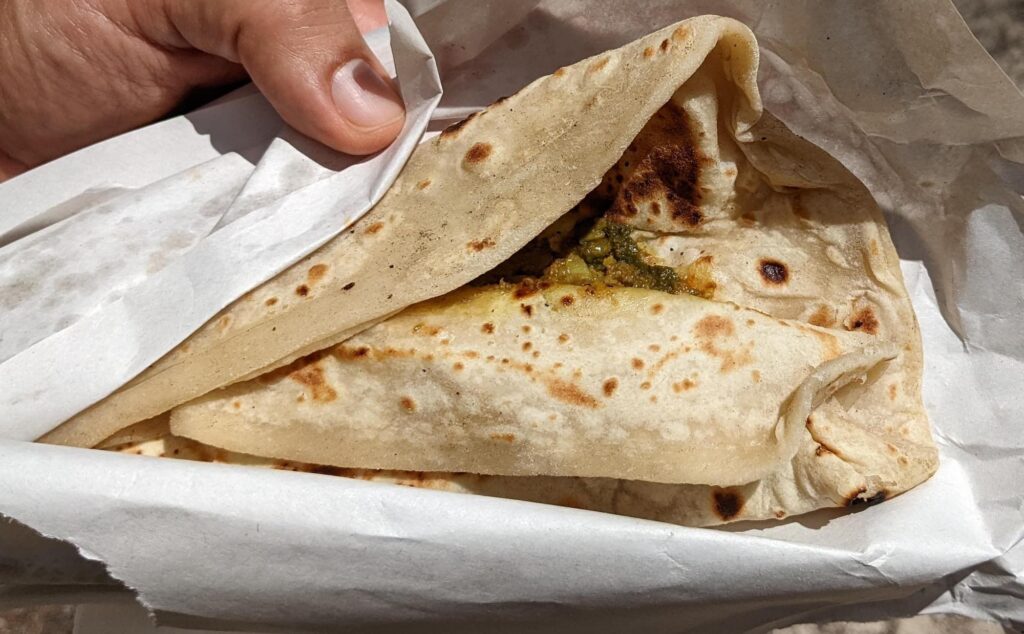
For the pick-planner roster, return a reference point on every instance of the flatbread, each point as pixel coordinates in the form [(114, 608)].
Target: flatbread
[(464, 202), (548, 380), (661, 136)]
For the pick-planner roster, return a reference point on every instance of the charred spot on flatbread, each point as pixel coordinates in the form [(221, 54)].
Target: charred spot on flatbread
[(452, 131), (312, 377), (478, 153), (863, 320), (858, 498), (668, 176), (727, 503), (773, 272)]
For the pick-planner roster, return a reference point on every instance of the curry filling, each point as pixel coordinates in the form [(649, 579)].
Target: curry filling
[(609, 255), (584, 248)]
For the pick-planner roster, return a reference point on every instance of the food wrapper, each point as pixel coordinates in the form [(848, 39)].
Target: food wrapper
[(214, 202)]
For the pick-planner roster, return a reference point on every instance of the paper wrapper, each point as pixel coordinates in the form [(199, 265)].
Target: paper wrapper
[(901, 93)]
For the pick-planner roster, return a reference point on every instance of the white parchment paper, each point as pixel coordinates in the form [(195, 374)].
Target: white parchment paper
[(900, 92)]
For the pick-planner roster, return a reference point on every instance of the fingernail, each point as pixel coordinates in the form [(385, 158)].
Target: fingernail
[(363, 97)]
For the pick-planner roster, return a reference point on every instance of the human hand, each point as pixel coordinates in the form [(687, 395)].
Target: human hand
[(73, 72)]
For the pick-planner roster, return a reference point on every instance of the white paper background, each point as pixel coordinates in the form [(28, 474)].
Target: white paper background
[(913, 106)]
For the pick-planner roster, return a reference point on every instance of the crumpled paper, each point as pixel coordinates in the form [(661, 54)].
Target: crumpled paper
[(293, 202), (906, 98)]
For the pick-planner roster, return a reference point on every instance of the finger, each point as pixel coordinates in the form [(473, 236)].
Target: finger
[(309, 59), (368, 14), (9, 168)]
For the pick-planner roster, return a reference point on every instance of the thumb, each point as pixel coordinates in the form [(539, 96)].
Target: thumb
[(309, 60)]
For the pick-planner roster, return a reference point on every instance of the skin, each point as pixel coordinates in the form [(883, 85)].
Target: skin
[(74, 72)]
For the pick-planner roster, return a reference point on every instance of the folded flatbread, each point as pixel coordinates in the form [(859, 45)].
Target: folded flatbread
[(548, 380), (627, 280)]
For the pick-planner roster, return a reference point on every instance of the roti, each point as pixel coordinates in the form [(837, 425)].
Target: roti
[(623, 288)]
